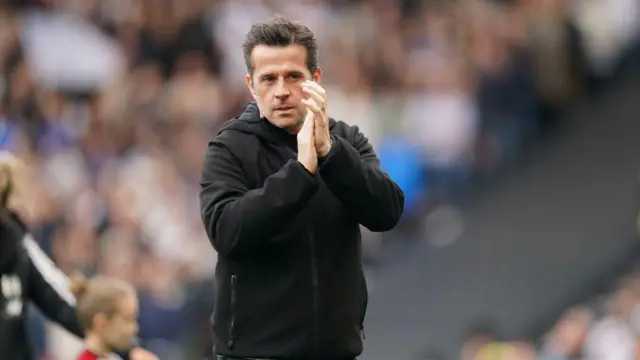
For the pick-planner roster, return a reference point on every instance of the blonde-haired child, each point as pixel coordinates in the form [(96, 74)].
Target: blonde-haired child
[(107, 309)]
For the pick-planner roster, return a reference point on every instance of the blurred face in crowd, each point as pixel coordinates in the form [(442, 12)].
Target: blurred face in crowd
[(506, 351), (569, 334), (119, 329), (473, 346), (622, 303), (278, 73)]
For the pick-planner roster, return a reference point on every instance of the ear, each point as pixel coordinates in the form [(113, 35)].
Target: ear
[(100, 321), (317, 74), (249, 83)]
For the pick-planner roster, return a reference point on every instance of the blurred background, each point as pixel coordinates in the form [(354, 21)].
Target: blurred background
[(512, 126)]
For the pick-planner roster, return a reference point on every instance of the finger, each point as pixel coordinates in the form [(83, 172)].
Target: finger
[(312, 105), (307, 126), (313, 94), (310, 114), (322, 121), (307, 132), (317, 88)]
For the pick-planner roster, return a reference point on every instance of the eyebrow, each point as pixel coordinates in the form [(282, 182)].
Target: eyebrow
[(295, 72), (291, 72)]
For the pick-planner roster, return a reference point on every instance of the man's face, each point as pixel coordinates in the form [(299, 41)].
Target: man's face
[(276, 83)]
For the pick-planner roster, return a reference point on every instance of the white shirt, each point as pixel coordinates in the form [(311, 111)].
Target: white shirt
[(610, 339)]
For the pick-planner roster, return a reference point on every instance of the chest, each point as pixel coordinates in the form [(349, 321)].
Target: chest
[(324, 211)]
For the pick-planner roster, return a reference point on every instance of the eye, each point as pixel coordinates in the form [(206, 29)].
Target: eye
[(295, 76), (268, 78)]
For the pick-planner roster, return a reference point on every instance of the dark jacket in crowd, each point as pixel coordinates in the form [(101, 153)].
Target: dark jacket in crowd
[(27, 274), (289, 277)]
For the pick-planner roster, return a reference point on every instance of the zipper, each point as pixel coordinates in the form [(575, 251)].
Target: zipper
[(313, 263), (232, 325), (364, 313)]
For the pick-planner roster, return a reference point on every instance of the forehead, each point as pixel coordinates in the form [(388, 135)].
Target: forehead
[(129, 305), (277, 59)]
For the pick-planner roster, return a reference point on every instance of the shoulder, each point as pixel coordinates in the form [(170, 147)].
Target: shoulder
[(231, 131), (233, 147), (342, 129), (231, 137), (351, 133)]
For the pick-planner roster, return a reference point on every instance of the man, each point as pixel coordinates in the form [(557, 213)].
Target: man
[(28, 275), (283, 193)]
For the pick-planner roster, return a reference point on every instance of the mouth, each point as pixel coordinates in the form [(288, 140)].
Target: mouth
[(284, 108)]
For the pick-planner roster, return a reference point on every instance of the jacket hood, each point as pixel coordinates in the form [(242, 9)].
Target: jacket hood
[(250, 122)]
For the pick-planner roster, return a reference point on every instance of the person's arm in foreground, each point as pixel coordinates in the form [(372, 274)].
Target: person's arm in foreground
[(49, 290)]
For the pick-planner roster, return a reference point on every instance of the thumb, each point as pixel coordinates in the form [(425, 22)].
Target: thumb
[(307, 125)]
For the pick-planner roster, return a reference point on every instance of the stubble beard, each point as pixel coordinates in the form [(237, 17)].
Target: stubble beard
[(295, 128)]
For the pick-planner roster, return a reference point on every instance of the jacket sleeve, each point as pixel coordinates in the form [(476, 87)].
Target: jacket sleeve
[(49, 289), (353, 174), (239, 219)]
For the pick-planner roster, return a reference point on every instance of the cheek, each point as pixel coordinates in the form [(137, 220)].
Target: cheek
[(134, 328), (262, 93), (297, 93), (122, 330)]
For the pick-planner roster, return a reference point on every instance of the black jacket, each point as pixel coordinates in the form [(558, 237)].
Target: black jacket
[(289, 275), (27, 274)]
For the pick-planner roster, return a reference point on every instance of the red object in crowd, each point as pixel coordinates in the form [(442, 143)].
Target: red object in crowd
[(88, 355)]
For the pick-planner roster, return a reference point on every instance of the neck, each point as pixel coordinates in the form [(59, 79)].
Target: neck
[(294, 130), (96, 345)]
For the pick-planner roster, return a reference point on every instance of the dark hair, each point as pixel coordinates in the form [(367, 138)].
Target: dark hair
[(280, 31)]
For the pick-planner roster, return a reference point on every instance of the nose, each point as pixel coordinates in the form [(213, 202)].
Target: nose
[(282, 92)]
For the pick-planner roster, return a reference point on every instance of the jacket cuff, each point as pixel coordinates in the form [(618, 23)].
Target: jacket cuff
[(336, 145)]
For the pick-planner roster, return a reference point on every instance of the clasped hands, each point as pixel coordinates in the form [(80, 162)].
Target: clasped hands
[(314, 139)]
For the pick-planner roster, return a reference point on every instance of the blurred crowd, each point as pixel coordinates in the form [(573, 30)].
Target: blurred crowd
[(112, 104), (605, 328)]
